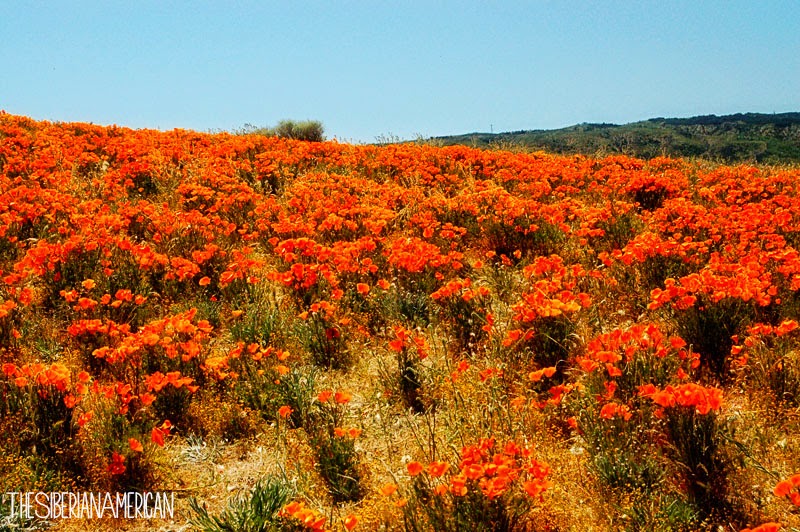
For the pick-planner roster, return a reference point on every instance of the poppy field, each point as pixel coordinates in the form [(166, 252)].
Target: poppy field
[(295, 335)]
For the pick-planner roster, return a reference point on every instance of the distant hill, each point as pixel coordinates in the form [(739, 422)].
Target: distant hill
[(749, 137)]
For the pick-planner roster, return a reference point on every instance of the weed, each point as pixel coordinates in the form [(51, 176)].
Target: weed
[(258, 511)]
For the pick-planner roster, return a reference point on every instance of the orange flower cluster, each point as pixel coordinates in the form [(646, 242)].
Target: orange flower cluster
[(157, 381), (612, 410), (158, 434), (149, 251), (758, 334), (305, 516), (174, 335), (117, 464), (704, 399), (746, 281), (413, 255), (789, 488), (615, 350), (492, 472), (341, 397), (55, 375), (460, 287), (554, 290), (405, 339), (766, 527), (632, 356)]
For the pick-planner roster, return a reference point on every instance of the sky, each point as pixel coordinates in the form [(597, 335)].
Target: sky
[(386, 69)]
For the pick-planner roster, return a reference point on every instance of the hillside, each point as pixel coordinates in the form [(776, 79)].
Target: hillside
[(319, 336), (750, 137)]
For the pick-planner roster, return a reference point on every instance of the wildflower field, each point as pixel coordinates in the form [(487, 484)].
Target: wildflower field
[(320, 336)]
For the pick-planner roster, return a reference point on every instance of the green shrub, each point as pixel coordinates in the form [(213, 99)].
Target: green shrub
[(309, 130), (709, 329), (260, 512), (337, 463), (335, 453), (265, 388), (322, 338)]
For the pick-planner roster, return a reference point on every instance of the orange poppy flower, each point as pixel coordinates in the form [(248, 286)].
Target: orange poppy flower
[(117, 465), (157, 436), (350, 522), (437, 469), (414, 468), (342, 397), (388, 489)]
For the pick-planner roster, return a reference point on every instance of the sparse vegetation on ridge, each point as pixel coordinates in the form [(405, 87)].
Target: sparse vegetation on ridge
[(308, 130), (739, 138)]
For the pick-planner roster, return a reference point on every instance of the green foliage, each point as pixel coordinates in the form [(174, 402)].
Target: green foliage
[(337, 463), (776, 368), (622, 453), (257, 513), (309, 130), (662, 514), (550, 343), (698, 447), (709, 328), (410, 386), (474, 511), (109, 431), (260, 325), (525, 235), (619, 230), (334, 450), (323, 340), (296, 390), (410, 307), (263, 389), (466, 318), (736, 138), (44, 422)]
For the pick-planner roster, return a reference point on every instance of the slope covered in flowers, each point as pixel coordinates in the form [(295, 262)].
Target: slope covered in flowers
[(423, 338)]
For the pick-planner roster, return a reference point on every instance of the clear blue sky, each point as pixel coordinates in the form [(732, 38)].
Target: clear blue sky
[(402, 68)]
